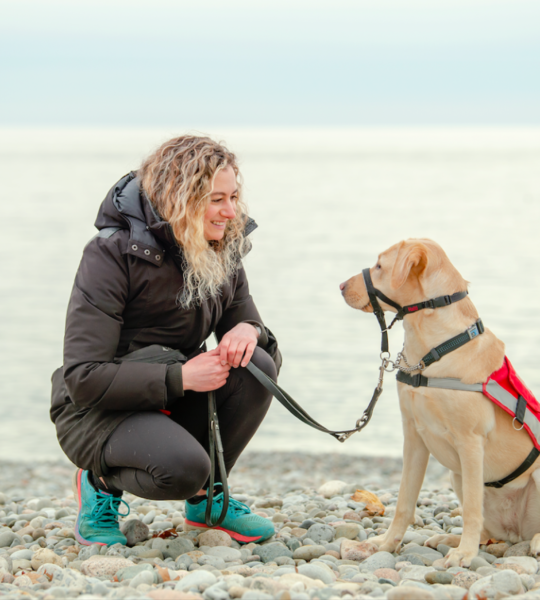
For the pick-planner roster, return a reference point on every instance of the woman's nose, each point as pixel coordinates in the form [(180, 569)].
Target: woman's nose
[(228, 210)]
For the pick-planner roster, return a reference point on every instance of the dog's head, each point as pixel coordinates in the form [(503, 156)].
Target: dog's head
[(408, 272)]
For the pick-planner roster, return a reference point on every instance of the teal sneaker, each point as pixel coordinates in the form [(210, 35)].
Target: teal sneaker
[(97, 521), (240, 523)]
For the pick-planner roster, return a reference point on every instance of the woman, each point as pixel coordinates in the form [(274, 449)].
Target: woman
[(164, 269)]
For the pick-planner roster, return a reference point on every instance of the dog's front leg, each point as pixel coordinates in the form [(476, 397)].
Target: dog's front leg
[(471, 456), (415, 460)]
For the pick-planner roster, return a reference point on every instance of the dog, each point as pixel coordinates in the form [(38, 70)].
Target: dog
[(464, 430)]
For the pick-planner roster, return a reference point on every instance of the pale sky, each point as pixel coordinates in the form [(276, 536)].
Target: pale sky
[(269, 63)]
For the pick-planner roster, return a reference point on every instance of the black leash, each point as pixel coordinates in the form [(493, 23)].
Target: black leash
[(215, 448), (295, 409)]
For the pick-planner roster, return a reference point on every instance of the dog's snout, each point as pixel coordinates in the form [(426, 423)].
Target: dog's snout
[(342, 286)]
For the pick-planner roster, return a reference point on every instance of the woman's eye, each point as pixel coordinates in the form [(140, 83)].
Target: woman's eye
[(378, 267)]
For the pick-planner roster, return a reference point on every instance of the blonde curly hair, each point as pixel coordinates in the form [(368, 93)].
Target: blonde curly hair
[(178, 179)]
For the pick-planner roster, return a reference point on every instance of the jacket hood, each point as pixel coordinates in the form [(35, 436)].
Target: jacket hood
[(127, 207)]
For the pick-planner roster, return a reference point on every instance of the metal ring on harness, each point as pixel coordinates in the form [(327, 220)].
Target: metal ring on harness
[(516, 428)]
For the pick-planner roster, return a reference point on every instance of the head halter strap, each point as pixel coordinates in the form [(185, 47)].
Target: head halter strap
[(374, 293)]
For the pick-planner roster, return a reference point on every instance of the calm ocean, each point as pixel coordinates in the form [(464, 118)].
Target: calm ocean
[(327, 202)]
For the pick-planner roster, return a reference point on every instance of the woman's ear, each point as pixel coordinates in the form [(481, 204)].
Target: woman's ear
[(412, 256)]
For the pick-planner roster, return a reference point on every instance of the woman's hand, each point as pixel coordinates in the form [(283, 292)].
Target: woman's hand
[(205, 372), (240, 341)]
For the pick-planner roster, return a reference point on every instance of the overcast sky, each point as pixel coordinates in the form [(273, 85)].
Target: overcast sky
[(199, 63)]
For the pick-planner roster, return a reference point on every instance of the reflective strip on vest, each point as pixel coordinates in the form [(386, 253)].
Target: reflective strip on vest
[(448, 383), (508, 403)]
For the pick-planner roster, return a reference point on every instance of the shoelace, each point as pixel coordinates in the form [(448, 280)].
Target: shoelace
[(105, 512), (235, 506)]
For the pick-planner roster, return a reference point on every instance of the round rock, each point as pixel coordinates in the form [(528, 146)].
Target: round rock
[(135, 531), (380, 560), (409, 593), (269, 552), (104, 566), (195, 579), (45, 556), (347, 530), (317, 571), (307, 553), (214, 537), (320, 533), (332, 488)]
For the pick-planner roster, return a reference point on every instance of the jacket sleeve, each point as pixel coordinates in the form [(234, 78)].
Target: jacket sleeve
[(241, 310), (93, 324)]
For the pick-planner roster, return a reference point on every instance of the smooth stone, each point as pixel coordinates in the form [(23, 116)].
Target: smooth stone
[(6, 538), (498, 550), (443, 549), (422, 551), (104, 566), (486, 571), (214, 537), (214, 561), (26, 554), (528, 563), (173, 547), (508, 582), (195, 579), (409, 593), (288, 580), (86, 552), (321, 533), (389, 574), (160, 525), (45, 556), (348, 530), (224, 552), (307, 524), (379, 560), (357, 551), (441, 577), (307, 553), (520, 549), (332, 488), (145, 577), (316, 571), (488, 557), (414, 572), (478, 562), (131, 572), (465, 579), (135, 531), (293, 544), (269, 552)]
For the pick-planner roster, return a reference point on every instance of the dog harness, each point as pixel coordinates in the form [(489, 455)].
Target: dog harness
[(503, 387)]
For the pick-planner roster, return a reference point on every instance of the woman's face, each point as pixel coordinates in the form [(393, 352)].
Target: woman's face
[(222, 207)]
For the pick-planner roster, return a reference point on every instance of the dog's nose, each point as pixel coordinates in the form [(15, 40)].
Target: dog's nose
[(342, 286)]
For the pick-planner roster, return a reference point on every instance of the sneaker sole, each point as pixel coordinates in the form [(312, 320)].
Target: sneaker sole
[(76, 486), (244, 539)]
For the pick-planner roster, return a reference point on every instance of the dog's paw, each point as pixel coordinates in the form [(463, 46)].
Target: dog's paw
[(448, 540), (459, 558), (385, 544), (535, 545)]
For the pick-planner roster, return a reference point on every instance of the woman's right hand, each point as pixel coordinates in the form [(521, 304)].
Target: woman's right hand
[(204, 372)]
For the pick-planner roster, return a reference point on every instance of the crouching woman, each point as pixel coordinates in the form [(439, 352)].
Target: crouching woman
[(163, 274)]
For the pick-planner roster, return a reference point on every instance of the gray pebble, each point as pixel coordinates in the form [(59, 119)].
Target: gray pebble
[(135, 531), (269, 552), (321, 533)]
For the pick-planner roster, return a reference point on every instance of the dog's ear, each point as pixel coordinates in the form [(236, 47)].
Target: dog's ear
[(411, 257)]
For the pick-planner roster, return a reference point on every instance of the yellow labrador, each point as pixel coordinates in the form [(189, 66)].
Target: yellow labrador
[(464, 430)]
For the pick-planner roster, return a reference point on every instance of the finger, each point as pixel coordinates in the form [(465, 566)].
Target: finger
[(241, 348), (223, 349), (250, 349), (214, 352), (232, 353)]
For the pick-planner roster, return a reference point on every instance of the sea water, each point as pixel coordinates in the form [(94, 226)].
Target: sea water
[(327, 203)]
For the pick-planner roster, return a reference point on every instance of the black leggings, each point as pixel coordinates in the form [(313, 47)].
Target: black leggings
[(162, 457)]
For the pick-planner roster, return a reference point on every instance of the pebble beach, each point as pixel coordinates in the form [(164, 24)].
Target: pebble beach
[(325, 509)]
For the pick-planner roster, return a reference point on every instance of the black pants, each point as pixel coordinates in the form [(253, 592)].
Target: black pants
[(162, 457)]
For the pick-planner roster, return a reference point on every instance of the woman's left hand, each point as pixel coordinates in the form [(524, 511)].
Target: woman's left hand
[(239, 342)]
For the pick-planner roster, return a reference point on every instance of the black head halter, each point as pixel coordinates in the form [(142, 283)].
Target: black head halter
[(374, 293)]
